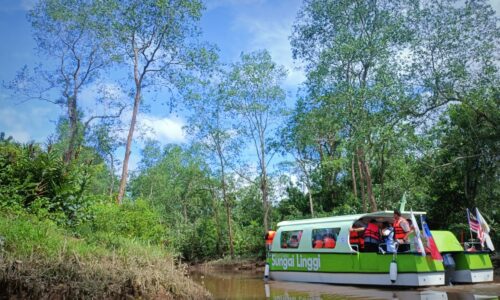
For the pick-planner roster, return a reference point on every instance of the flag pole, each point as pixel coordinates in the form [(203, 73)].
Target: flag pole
[(468, 220)]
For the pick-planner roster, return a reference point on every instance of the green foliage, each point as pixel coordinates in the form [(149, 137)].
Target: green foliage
[(40, 182), (39, 257), (112, 224)]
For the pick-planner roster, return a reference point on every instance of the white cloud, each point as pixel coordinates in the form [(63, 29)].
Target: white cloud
[(16, 5), (165, 130), (272, 34), (27, 4), (28, 121)]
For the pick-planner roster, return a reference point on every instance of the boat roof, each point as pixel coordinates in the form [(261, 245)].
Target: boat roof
[(348, 218)]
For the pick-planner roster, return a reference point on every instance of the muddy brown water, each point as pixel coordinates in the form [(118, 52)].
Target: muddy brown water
[(238, 284)]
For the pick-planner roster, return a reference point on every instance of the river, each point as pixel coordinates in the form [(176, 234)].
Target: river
[(231, 284)]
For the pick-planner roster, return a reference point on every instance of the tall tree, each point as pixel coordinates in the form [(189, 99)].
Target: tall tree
[(454, 64), (159, 41), (257, 96), (211, 124), (72, 36), (351, 50)]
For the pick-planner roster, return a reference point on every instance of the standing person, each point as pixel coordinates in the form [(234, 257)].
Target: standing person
[(388, 235), (372, 236), (401, 230)]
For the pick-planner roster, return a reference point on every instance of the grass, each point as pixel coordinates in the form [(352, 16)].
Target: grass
[(39, 259)]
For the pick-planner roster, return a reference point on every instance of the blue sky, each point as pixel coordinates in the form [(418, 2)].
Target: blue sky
[(235, 26)]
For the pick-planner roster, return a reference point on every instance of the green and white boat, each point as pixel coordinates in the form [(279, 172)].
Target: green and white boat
[(293, 256), (469, 265)]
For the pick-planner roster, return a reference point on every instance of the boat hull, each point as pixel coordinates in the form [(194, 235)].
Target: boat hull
[(405, 279), (472, 268), (356, 268)]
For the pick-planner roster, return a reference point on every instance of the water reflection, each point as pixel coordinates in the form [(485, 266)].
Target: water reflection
[(229, 284)]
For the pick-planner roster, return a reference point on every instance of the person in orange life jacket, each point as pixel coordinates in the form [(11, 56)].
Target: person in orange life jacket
[(372, 236), (269, 238), (356, 236), (329, 241), (318, 242), (401, 231)]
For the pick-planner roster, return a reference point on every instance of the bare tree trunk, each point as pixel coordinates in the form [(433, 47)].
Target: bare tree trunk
[(73, 128), (263, 184), (123, 181), (216, 215), (226, 200), (368, 180), (112, 184), (311, 201), (353, 176), (382, 175), (362, 183), (137, 101)]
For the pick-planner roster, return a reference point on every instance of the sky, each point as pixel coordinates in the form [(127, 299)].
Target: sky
[(235, 26)]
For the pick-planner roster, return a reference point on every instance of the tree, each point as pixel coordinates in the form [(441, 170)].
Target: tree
[(352, 51), (159, 40), (455, 66), (256, 96), (211, 124), (73, 36)]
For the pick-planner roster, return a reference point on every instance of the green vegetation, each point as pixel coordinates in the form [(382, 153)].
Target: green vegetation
[(399, 97), (40, 258)]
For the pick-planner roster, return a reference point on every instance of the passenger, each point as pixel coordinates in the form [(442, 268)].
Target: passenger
[(372, 236), (401, 230), (388, 235), (293, 242), (269, 238), (329, 241), (318, 242), (356, 236)]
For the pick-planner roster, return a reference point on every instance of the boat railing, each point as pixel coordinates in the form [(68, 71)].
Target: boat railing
[(473, 246)]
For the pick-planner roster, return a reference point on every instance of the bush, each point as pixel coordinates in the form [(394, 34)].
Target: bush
[(39, 182), (41, 260), (111, 224)]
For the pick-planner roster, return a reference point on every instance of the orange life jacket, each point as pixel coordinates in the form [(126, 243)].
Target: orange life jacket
[(371, 231), (318, 244), (329, 242), (399, 233), (270, 236), (356, 238)]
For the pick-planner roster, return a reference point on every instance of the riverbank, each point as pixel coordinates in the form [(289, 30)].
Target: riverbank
[(235, 264), (40, 260)]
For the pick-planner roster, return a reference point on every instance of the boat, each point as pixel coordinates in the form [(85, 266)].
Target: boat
[(469, 263), (294, 256)]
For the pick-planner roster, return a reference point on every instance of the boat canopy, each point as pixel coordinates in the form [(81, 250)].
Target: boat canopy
[(338, 224), (349, 218)]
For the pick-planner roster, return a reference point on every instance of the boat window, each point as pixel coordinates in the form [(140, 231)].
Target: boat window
[(291, 239), (325, 238)]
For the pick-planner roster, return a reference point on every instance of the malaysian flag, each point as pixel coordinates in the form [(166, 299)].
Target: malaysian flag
[(431, 245)]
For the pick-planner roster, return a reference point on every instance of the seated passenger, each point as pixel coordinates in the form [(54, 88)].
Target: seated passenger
[(318, 242), (329, 241), (293, 242)]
